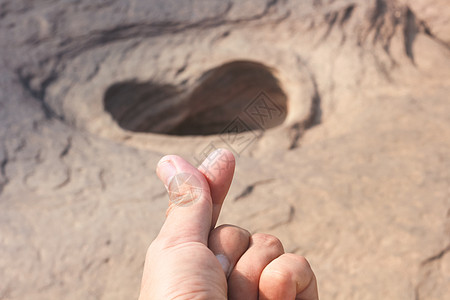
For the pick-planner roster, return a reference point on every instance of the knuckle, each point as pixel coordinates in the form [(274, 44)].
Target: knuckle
[(283, 277), (224, 228), (235, 230), (287, 270), (267, 240), (302, 266), (229, 231), (301, 260)]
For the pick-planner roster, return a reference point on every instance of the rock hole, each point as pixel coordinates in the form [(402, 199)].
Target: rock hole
[(244, 89), (139, 106)]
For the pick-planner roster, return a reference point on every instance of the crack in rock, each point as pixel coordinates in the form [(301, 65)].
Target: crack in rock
[(39, 94), (385, 18), (101, 178), (249, 189), (437, 256), (67, 148), (315, 114), (285, 221), (427, 30), (3, 164)]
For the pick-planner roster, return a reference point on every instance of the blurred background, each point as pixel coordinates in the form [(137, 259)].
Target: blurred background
[(337, 111)]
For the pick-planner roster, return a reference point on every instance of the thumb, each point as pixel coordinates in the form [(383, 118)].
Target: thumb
[(190, 206)]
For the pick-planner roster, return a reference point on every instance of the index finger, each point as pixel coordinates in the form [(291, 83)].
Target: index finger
[(218, 169)]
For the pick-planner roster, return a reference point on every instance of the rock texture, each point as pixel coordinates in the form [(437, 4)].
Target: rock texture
[(348, 162)]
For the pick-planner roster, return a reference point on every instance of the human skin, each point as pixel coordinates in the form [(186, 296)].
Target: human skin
[(192, 259)]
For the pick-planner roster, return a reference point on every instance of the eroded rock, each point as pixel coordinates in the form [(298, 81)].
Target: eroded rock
[(351, 169)]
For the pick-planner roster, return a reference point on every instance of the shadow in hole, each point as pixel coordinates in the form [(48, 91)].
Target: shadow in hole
[(140, 107), (227, 92), (223, 94)]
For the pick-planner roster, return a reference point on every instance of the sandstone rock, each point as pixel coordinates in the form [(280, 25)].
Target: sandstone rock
[(344, 156)]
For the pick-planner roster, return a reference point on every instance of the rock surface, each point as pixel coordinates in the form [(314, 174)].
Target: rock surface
[(350, 168)]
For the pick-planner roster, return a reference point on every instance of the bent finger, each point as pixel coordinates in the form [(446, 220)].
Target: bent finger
[(288, 277), (228, 243), (244, 278), (218, 169)]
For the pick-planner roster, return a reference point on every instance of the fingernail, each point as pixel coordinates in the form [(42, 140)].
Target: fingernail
[(224, 263), (166, 170)]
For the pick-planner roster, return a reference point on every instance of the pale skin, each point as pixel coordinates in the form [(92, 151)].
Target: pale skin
[(192, 259)]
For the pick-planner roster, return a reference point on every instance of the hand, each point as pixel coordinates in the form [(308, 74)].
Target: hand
[(190, 259)]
